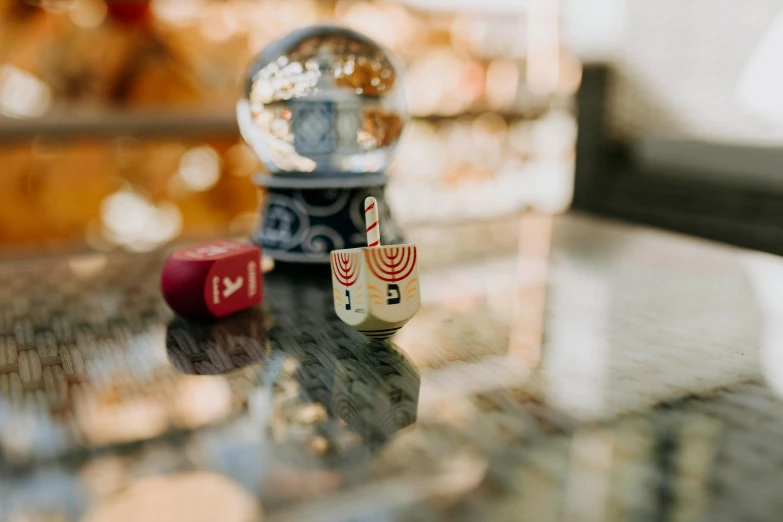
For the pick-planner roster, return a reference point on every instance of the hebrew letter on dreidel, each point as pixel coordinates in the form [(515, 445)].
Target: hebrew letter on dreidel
[(375, 288)]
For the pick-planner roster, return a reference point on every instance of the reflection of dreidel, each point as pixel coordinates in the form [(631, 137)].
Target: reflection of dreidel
[(376, 288)]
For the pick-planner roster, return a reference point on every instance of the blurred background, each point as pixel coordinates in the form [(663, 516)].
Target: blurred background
[(118, 133), (117, 126)]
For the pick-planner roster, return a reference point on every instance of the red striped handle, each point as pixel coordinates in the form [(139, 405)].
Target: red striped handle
[(371, 222)]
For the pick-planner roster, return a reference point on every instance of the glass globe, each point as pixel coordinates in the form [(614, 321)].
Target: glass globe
[(324, 100)]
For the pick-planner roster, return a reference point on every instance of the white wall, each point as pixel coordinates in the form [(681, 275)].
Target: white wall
[(679, 64)]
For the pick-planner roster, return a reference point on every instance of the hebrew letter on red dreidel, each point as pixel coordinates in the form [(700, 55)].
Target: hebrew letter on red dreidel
[(213, 280)]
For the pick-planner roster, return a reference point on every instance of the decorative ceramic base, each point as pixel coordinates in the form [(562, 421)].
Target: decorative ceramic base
[(305, 224)]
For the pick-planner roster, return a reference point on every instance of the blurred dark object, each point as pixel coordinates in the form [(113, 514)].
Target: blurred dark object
[(612, 179)]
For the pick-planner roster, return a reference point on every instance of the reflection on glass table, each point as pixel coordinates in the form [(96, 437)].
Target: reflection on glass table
[(560, 369), (217, 347)]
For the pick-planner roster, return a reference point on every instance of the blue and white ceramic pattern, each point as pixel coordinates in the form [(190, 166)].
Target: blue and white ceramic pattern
[(304, 225)]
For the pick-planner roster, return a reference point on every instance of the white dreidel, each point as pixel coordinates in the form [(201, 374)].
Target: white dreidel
[(376, 288)]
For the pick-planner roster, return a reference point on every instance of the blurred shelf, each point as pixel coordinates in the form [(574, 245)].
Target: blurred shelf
[(508, 116), (137, 123), (167, 124)]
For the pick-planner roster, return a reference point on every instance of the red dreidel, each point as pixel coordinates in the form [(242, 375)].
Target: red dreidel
[(212, 280)]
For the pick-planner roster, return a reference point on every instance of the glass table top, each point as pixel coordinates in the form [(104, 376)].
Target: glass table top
[(561, 368)]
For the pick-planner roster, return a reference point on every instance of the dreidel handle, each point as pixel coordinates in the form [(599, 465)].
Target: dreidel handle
[(371, 222)]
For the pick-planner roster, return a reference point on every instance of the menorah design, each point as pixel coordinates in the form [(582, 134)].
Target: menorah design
[(376, 288)]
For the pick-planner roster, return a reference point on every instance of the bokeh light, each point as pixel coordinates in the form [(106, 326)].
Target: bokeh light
[(199, 168), (185, 497), (134, 222), (88, 13), (22, 95)]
